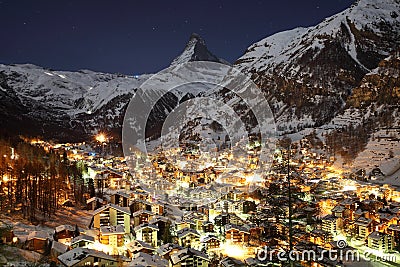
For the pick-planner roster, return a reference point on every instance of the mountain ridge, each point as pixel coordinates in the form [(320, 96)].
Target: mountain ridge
[(310, 72)]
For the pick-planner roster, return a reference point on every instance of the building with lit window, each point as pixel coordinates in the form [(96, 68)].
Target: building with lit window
[(147, 233), (381, 241), (188, 237), (86, 257), (189, 257), (112, 235), (364, 226), (111, 215)]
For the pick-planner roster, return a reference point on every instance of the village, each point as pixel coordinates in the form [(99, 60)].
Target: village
[(167, 215)]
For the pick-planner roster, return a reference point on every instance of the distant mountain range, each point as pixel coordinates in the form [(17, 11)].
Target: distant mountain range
[(318, 77)]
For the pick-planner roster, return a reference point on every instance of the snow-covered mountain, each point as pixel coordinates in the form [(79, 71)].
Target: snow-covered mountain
[(196, 50), (308, 73), (65, 104), (51, 101)]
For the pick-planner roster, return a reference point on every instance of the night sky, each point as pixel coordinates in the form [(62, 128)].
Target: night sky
[(134, 37)]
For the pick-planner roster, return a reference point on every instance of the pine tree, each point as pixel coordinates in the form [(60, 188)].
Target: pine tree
[(91, 189)]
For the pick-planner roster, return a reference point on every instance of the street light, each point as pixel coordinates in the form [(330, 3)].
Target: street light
[(102, 139)]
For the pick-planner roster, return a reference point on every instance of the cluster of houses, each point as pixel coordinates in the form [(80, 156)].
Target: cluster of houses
[(132, 228), (373, 220)]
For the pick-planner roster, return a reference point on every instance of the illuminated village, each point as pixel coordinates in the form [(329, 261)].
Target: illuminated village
[(220, 216), (200, 133)]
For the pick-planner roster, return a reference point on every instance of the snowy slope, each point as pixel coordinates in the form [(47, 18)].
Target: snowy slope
[(308, 73), (286, 47), (64, 90)]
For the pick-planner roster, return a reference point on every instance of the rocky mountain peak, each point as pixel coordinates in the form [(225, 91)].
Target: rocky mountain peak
[(196, 50)]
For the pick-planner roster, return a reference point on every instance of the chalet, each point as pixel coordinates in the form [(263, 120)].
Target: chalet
[(167, 250), (38, 241), (236, 233), (65, 233), (157, 208), (394, 230), (161, 222), (198, 218), (82, 241), (386, 218), (222, 219), (141, 217), (231, 262), (57, 249), (364, 226), (141, 195), (339, 211), (147, 233), (360, 213), (120, 199), (249, 206), (371, 205), (255, 232), (185, 223), (380, 241), (112, 235), (138, 204), (235, 219), (211, 242), (144, 259), (189, 257), (115, 178), (350, 203), (86, 257), (188, 237), (111, 215), (137, 246), (94, 203), (320, 237), (332, 224), (20, 236), (208, 227), (395, 210), (204, 209)]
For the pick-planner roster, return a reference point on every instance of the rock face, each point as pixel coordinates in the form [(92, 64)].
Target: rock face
[(196, 50), (308, 73), (379, 87)]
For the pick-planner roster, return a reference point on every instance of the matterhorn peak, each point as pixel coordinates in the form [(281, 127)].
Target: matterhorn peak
[(196, 50)]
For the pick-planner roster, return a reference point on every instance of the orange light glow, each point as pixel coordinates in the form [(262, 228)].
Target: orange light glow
[(101, 138)]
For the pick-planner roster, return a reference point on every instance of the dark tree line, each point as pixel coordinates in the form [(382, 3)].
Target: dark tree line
[(35, 181)]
